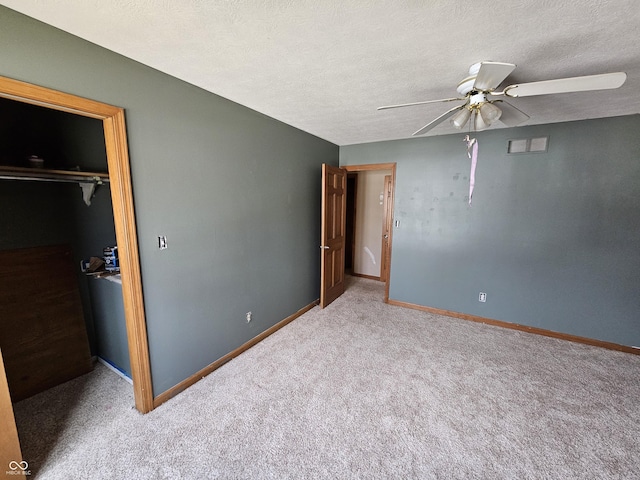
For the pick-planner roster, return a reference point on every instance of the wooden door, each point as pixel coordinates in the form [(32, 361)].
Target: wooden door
[(334, 208), (10, 455), (386, 230)]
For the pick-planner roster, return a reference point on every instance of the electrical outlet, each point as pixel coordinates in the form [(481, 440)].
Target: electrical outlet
[(162, 242), (482, 297), (248, 317)]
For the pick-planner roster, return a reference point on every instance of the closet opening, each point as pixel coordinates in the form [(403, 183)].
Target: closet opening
[(53, 142), (56, 206)]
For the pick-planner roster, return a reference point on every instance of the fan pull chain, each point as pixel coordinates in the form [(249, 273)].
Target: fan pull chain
[(472, 153)]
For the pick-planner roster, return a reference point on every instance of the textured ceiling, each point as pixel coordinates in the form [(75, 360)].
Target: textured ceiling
[(325, 65)]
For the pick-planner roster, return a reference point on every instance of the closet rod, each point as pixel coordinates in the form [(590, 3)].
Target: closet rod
[(17, 173), (55, 179)]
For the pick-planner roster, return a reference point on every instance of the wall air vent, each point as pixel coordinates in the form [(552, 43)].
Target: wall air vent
[(528, 145)]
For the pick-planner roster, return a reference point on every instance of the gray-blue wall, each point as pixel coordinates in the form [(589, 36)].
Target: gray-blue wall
[(109, 323), (235, 192), (552, 238)]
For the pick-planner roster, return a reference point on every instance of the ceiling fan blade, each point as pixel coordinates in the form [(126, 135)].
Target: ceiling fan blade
[(439, 120), (492, 74), (511, 116), (567, 85), (419, 103)]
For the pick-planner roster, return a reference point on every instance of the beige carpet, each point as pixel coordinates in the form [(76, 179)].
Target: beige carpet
[(358, 390)]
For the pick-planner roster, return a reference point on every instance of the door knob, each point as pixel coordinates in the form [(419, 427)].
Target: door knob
[(324, 246), (386, 236)]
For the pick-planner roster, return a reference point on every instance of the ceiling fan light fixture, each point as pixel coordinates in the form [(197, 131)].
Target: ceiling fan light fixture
[(479, 123), (460, 119), (489, 113)]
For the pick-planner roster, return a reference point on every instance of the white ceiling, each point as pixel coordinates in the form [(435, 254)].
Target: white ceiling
[(325, 65)]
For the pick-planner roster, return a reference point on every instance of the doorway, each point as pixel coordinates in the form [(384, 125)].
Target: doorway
[(113, 123), (380, 212), (368, 218)]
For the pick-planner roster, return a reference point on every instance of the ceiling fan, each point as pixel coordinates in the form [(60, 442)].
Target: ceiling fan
[(480, 86)]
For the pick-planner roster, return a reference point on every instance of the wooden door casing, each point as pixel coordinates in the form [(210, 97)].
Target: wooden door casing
[(115, 134)]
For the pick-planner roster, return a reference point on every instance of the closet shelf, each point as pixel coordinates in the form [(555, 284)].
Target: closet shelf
[(46, 175)]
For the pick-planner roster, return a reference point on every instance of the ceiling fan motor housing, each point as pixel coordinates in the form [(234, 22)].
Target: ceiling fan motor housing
[(466, 84), (477, 98)]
